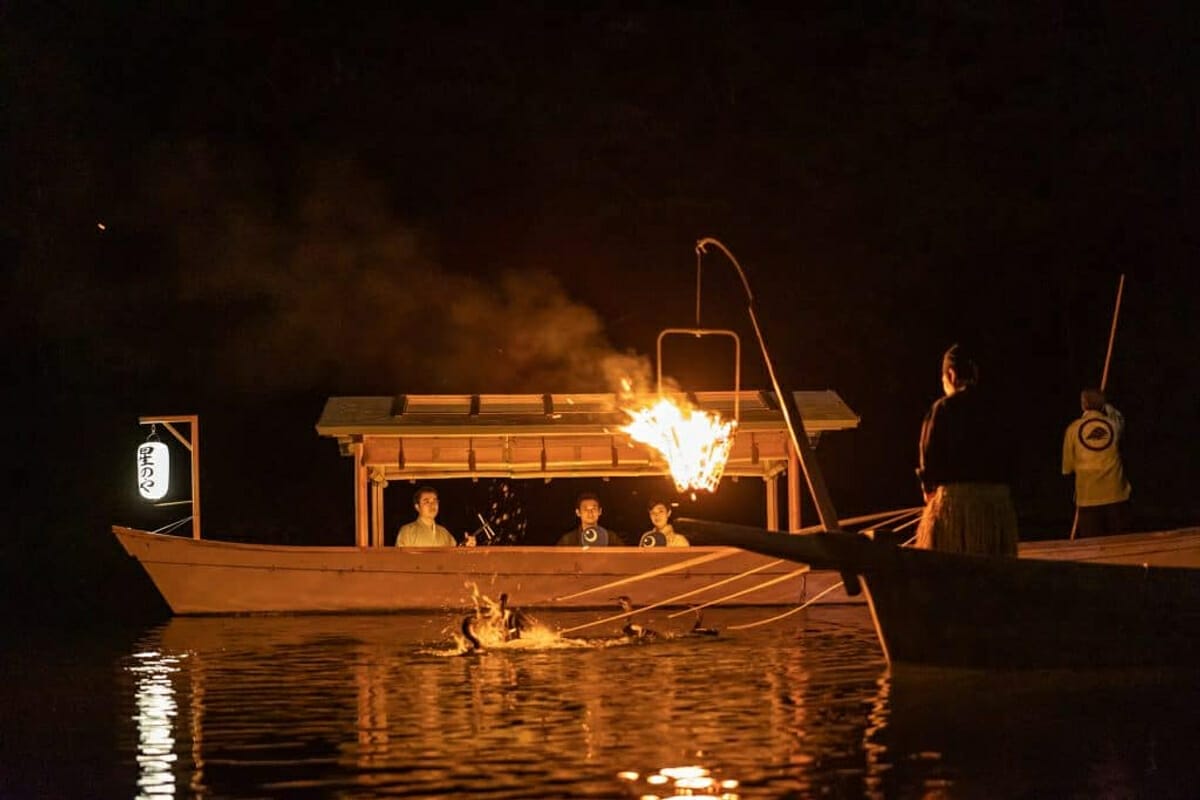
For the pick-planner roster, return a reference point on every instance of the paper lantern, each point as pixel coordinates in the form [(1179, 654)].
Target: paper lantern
[(153, 470)]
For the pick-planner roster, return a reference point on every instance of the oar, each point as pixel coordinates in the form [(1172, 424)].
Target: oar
[(653, 573), (677, 597)]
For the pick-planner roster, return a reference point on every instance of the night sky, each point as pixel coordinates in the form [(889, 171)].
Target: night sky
[(241, 210)]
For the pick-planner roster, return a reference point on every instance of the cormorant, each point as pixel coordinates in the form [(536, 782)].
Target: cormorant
[(698, 628), (632, 629), (501, 623)]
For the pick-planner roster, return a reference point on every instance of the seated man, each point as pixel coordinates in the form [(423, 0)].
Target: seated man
[(663, 534), (588, 532), (424, 530)]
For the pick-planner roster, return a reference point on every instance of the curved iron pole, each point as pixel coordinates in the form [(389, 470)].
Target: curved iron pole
[(808, 462)]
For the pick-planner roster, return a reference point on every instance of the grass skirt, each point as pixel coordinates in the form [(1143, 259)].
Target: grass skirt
[(970, 518)]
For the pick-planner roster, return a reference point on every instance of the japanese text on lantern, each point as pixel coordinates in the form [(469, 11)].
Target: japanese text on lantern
[(153, 470)]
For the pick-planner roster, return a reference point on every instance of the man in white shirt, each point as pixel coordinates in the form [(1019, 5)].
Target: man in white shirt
[(1091, 450), (424, 530)]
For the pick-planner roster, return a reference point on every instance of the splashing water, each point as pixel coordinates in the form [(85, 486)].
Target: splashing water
[(491, 627)]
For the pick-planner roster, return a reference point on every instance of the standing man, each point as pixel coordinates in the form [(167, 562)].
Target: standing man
[(967, 462), (1091, 449), (588, 532), (424, 530)]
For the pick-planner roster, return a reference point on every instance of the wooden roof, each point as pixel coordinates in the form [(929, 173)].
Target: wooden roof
[(553, 435)]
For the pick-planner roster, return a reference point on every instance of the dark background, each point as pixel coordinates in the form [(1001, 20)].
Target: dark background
[(240, 210)]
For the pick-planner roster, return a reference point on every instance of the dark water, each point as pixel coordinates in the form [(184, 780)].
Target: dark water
[(373, 706)]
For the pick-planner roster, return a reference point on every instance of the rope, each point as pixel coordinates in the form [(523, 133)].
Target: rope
[(763, 585), (811, 600), (889, 516), (173, 525), (692, 562), (789, 612), (677, 597)]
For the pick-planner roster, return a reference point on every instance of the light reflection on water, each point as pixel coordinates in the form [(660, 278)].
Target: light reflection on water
[(382, 706), (156, 711)]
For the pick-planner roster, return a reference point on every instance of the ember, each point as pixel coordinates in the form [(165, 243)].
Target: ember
[(695, 443)]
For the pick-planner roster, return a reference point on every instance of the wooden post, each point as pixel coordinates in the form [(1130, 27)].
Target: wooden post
[(793, 489), (772, 483), (376, 484), (195, 425), (360, 495), (192, 443)]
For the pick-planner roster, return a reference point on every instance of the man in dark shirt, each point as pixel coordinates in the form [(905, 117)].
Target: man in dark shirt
[(588, 532), (966, 465)]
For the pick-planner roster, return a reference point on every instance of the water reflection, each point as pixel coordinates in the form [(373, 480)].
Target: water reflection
[(1054, 733), (691, 781), (156, 712), (373, 706)]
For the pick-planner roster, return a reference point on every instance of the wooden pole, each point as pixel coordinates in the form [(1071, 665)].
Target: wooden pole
[(1112, 336), (192, 443), (360, 496), (1112, 333), (376, 509), (793, 489), (772, 484), (787, 405), (195, 424)]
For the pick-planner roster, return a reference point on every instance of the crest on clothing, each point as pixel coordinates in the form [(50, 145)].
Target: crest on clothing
[(594, 536), (1096, 433)]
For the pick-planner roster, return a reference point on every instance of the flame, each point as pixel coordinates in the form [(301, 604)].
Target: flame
[(695, 443)]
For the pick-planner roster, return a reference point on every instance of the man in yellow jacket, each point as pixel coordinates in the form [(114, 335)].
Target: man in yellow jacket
[(1091, 450)]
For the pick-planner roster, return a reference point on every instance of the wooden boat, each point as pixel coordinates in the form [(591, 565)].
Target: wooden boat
[(946, 609), (545, 436), (541, 436), (212, 577), (200, 576), (1177, 548)]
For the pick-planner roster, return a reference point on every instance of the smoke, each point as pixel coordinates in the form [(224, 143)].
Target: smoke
[(336, 292)]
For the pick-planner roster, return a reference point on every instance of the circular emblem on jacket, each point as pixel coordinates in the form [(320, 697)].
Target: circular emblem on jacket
[(653, 539), (1096, 433), (594, 536)]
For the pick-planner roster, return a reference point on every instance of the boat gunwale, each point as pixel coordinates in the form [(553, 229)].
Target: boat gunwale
[(223, 544)]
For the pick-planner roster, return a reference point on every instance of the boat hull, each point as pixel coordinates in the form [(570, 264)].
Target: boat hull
[(1177, 548), (971, 611), (213, 577), (949, 609)]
